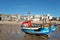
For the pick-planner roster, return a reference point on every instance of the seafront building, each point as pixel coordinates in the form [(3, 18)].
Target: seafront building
[(0, 17), (36, 17), (6, 17), (56, 19)]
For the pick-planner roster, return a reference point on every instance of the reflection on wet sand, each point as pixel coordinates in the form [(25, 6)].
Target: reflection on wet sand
[(34, 37)]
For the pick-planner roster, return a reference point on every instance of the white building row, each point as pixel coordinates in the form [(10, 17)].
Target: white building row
[(35, 17)]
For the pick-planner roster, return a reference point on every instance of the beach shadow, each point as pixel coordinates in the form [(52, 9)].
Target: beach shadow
[(34, 37)]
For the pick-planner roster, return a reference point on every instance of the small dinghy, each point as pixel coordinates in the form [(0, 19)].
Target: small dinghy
[(33, 28)]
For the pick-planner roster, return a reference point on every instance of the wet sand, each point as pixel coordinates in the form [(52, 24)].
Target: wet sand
[(13, 32)]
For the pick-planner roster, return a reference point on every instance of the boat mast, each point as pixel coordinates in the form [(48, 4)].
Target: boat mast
[(44, 20)]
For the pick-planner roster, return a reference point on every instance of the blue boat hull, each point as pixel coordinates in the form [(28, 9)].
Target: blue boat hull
[(44, 30)]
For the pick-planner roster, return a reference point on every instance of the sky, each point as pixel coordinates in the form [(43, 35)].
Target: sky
[(40, 7)]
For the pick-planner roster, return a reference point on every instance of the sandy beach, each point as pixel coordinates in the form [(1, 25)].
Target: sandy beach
[(12, 31), (19, 22)]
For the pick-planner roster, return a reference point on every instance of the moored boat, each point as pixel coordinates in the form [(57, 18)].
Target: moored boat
[(38, 28)]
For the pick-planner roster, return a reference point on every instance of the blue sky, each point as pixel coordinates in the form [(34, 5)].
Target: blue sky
[(34, 6)]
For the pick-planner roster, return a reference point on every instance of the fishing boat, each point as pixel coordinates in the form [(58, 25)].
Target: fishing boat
[(34, 28)]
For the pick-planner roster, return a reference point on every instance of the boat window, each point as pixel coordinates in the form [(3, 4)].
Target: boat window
[(37, 25)]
